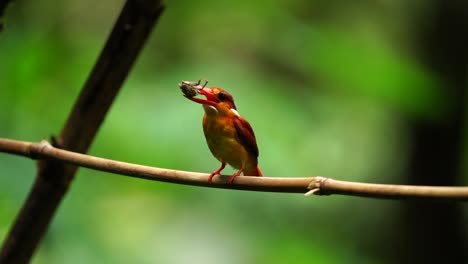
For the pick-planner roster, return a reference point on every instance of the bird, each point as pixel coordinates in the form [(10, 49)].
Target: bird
[(229, 136)]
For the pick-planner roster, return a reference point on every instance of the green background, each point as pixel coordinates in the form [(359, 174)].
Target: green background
[(324, 84)]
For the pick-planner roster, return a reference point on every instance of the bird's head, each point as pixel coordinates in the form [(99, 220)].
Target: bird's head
[(216, 98)]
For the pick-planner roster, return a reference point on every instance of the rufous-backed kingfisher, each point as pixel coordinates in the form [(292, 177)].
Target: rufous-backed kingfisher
[(230, 137)]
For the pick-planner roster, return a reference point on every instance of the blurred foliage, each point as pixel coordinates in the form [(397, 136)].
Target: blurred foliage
[(323, 83)]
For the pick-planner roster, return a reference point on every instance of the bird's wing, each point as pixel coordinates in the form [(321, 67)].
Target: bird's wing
[(246, 136)]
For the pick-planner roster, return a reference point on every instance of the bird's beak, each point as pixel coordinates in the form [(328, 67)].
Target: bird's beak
[(210, 96), (192, 89)]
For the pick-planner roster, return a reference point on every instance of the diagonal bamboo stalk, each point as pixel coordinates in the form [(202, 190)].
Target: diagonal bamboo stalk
[(3, 6), (126, 40)]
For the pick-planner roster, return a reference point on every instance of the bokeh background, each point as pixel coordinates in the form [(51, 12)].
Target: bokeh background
[(369, 91)]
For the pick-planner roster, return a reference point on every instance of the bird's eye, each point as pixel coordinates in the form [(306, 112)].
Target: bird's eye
[(221, 96)]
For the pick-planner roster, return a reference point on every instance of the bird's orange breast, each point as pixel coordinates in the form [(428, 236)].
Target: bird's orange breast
[(223, 140)]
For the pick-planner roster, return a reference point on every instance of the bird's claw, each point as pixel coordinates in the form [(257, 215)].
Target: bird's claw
[(231, 179), (210, 178)]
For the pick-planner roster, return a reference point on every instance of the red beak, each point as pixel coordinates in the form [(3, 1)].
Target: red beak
[(211, 98)]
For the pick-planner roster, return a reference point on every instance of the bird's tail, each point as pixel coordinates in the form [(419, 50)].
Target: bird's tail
[(253, 171)]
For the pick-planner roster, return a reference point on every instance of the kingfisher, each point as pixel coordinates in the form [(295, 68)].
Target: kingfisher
[(229, 136)]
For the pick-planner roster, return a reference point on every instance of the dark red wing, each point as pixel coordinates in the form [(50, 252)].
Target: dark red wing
[(246, 136)]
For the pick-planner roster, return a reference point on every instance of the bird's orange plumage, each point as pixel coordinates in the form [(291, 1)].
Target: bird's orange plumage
[(229, 136)]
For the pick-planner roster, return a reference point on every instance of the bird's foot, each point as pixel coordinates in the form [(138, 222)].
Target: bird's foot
[(210, 178), (216, 172), (231, 179)]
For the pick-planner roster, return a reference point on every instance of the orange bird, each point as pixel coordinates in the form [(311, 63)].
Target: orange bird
[(229, 136)]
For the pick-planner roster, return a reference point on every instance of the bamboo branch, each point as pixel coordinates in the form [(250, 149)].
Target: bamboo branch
[(308, 185), (3, 6), (327, 186), (44, 150), (126, 40)]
